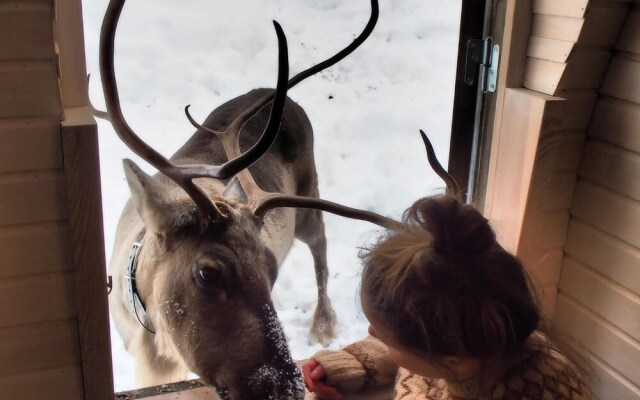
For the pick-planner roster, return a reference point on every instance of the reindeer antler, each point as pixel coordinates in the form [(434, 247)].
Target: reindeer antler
[(259, 201), (183, 175), (449, 180), (230, 136), (274, 200)]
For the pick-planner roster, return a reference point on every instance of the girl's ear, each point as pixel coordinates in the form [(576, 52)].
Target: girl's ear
[(462, 367)]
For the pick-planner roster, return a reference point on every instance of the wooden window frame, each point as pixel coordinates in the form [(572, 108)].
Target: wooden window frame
[(82, 173), (82, 168)]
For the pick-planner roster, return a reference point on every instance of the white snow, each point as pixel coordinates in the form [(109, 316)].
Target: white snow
[(366, 112)]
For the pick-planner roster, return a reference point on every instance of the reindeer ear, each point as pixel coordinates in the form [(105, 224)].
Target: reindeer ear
[(151, 198)]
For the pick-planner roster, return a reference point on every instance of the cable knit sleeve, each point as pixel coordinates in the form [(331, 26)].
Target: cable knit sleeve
[(361, 364)]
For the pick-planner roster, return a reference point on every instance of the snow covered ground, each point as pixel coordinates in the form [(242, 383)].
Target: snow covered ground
[(366, 112)]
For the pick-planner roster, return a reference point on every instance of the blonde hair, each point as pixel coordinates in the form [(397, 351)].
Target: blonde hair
[(448, 285)]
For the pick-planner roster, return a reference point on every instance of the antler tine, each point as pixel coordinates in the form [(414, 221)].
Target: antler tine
[(236, 125), (373, 19), (452, 185), (198, 126), (110, 88), (257, 106), (274, 200), (184, 174), (115, 116), (94, 111)]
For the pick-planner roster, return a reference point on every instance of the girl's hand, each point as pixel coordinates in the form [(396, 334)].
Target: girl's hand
[(314, 380)]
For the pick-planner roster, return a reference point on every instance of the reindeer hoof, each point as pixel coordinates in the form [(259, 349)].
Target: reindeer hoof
[(323, 327)]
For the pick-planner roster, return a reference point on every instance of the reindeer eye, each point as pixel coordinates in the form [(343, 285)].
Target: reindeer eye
[(208, 274)]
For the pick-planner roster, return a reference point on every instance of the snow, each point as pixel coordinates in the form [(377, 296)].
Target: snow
[(366, 112)]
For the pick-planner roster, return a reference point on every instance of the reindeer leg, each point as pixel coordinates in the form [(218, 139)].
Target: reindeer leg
[(310, 230)]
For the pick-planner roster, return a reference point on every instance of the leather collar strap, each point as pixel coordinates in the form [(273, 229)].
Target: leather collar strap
[(136, 305)]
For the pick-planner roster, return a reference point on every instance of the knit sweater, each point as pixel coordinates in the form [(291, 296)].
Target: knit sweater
[(537, 372)]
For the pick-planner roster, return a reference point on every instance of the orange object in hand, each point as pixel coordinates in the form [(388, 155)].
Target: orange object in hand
[(315, 381)]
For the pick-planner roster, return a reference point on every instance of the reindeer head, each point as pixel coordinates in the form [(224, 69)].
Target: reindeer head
[(215, 310)]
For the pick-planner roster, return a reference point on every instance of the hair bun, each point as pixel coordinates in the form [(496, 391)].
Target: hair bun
[(455, 227)]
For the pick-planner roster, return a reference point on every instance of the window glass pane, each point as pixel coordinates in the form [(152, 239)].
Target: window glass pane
[(365, 111)]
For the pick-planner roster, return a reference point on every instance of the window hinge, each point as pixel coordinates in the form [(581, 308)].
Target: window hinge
[(486, 55)]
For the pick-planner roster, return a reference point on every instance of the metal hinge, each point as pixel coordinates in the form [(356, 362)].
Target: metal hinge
[(487, 55)]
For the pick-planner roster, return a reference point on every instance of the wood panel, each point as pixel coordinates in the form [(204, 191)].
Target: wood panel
[(630, 36), (613, 167), (600, 26), (82, 171), (610, 384), (602, 296), (17, 246), (608, 211), (601, 338), (71, 46), (609, 256), (31, 33), (560, 151), (552, 191), (196, 390), (585, 69), (64, 383), (604, 21), (549, 49), (40, 298), (28, 146), (573, 114), (546, 217), (543, 76), (513, 163), (29, 89), (544, 229), (556, 27), (617, 122), (547, 296), (12, 5), (543, 266), (621, 80), (32, 197), (40, 346), (544, 269), (567, 8), (510, 75)]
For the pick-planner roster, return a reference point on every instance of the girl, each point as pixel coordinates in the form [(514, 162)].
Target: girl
[(452, 316)]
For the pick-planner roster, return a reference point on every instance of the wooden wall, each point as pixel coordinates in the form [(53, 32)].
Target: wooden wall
[(563, 189), (42, 341), (567, 53), (598, 302)]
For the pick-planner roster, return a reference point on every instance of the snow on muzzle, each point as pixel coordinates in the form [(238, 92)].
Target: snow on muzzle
[(279, 378), (282, 378)]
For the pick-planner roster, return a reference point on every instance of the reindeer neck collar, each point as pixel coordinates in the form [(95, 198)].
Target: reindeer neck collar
[(136, 305)]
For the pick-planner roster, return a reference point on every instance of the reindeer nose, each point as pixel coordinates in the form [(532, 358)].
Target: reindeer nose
[(268, 382)]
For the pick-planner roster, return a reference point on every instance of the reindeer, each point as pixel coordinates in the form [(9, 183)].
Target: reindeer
[(198, 245)]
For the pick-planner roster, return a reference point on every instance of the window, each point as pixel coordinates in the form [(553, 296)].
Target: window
[(366, 112)]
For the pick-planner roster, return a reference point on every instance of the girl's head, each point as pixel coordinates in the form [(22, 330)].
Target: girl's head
[(446, 288)]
